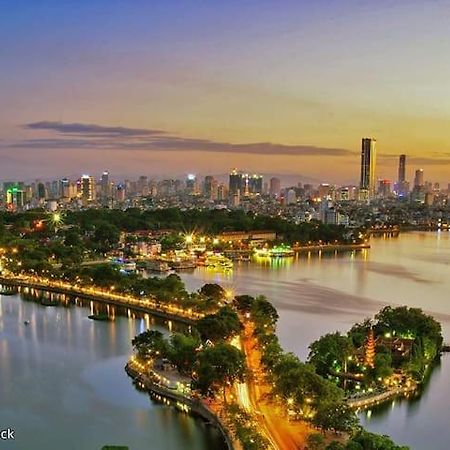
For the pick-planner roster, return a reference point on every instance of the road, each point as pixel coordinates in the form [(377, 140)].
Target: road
[(281, 434)]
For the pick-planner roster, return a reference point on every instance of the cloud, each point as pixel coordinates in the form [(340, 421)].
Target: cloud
[(430, 161), (90, 129), (97, 137), (439, 160)]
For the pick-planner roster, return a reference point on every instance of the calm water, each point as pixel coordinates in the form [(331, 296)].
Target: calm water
[(63, 386), (317, 294), (62, 383)]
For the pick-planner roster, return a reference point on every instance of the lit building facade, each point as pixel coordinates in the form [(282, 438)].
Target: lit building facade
[(368, 166)]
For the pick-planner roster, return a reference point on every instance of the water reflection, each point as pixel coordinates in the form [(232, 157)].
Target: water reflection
[(62, 383), (316, 294)]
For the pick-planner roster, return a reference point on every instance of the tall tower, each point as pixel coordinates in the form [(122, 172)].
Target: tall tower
[(275, 187), (235, 182), (368, 163), (87, 189), (105, 186), (401, 169), (418, 179), (402, 186)]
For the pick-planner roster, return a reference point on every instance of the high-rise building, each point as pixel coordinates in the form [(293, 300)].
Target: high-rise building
[(210, 187), (222, 192), (291, 197), (64, 188), (142, 186), (402, 186), (324, 190), (191, 184), (104, 183), (402, 169), (384, 188), (255, 184), (120, 193), (14, 195), (235, 182), (368, 165), (41, 191), (87, 189), (245, 184), (418, 179), (275, 187)]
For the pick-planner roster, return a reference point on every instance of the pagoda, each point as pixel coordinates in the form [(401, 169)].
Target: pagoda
[(369, 359)]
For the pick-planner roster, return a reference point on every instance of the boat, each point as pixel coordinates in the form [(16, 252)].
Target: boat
[(218, 262), (125, 266), (156, 265), (128, 266), (281, 251), (182, 263), (102, 317), (5, 290)]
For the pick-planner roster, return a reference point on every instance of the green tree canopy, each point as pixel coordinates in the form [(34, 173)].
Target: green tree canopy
[(220, 366), (330, 353)]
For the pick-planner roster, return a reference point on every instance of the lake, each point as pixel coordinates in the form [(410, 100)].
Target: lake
[(320, 293)]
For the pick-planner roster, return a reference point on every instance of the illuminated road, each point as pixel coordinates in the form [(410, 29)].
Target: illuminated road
[(272, 423)]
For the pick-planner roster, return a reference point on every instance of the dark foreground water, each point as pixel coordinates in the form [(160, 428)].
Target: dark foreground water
[(63, 385), (316, 294)]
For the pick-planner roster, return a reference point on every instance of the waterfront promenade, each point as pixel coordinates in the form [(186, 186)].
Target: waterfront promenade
[(366, 402), (147, 305)]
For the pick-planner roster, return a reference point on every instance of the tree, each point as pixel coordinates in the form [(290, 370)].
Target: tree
[(383, 365), (150, 344), (220, 326), (183, 352), (263, 313), (220, 366), (408, 323), (373, 441), (315, 441), (330, 353), (213, 292), (105, 237), (337, 417), (358, 332), (243, 303), (335, 445)]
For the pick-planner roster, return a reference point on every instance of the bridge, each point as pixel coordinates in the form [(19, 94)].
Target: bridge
[(146, 305)]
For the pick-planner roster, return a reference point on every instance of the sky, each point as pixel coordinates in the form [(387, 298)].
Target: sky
[(196, 86)]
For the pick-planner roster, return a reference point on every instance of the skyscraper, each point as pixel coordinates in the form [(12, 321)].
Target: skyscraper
[(275, 187), (368, 163), (401, 168), (87, 189), (235, 182), (210, 186), (255, 184), (418, 179), (191, 184), (402, 186)]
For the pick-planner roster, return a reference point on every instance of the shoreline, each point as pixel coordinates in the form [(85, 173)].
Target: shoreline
[(330, 247), (117, 300), (195, 406), (367, 402)]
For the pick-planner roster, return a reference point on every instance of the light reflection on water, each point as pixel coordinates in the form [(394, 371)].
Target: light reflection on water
[(63, 384), (320, 293)]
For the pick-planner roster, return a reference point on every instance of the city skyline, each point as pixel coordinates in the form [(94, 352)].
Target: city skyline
[(275, 90)]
